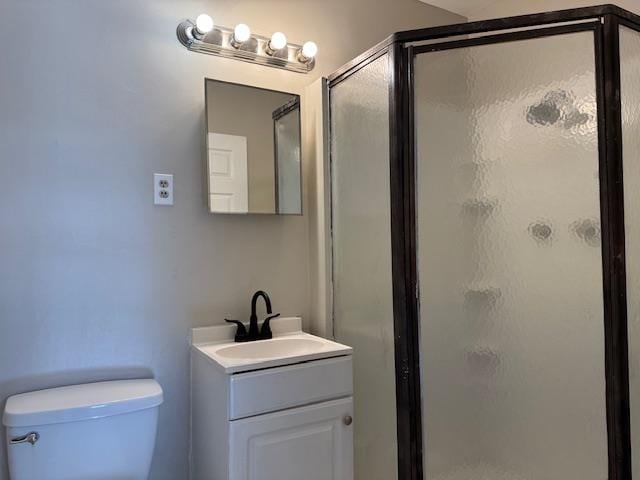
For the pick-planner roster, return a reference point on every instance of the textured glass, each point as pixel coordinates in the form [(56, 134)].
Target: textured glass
[(288, 163), (363, 295), (511, 313), (630, 90)]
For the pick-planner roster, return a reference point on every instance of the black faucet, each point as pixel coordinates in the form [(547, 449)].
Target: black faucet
[(254, 334)]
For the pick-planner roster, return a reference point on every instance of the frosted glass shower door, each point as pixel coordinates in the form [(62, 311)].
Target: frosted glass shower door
[(510, 262)]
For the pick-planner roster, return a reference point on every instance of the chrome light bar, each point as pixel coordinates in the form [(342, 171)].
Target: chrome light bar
[(220, 41)]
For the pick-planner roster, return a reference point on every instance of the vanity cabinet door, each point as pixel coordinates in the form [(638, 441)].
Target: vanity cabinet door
[(311, 443)]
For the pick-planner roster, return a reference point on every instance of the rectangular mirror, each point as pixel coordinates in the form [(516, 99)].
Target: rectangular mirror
[(253, 150)]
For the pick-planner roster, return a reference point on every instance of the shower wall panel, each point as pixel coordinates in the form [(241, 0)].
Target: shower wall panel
[(362, 276)]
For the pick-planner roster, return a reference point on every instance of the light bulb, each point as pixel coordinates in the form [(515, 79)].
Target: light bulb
[(204, 24), (278, 41), (309, 51), (241, 33)]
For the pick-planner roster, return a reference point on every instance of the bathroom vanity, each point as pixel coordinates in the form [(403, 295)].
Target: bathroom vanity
[(278, 409)]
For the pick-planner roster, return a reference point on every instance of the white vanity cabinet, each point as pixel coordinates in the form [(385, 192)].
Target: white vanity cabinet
[(290, 420), (307, 443)]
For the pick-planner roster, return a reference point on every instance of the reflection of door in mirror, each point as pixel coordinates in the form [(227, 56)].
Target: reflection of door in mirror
[(286, 124), (228, 180), (253, 158)]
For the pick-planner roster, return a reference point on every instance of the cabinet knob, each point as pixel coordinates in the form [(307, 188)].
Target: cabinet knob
[(347, 420)]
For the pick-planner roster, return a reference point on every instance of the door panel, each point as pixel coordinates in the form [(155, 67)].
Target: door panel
[(308, 443), (228, 177), (510, 261), (630, 91)]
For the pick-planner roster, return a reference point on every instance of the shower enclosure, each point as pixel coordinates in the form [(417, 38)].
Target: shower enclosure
[(486, 248)]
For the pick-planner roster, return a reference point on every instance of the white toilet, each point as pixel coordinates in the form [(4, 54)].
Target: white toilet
[(96, 431)]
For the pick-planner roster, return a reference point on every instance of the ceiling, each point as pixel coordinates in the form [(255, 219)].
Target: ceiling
[(483, 9), (462, 7)]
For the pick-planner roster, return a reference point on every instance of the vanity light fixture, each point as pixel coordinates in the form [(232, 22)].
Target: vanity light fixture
[(278, 42), (241, 44), (241, 34), (203, 25)]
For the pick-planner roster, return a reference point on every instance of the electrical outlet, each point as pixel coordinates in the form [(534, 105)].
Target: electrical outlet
[(162, 189)]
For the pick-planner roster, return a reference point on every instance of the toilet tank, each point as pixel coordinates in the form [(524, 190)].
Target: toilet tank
[(95, 431)]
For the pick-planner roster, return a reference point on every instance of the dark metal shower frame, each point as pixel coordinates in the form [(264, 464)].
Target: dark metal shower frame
[(401, 47)]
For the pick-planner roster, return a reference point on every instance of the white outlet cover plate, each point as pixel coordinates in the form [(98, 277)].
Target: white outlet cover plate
[(162, 189)]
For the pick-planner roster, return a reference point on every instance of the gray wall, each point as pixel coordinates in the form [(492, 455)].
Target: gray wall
[(96, 282)]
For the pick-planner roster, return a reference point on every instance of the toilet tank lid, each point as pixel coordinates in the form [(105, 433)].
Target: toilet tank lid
[(81, 402)]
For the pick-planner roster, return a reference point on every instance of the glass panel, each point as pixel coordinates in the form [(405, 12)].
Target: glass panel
[(630, 84), (363, 295), (288, 181), (510, 264)]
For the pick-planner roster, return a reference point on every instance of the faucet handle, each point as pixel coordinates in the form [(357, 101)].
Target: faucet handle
[(241, 332), (265, 331)]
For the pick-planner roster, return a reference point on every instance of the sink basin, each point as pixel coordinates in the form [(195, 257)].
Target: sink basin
[(289, 345), (276, 348)]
